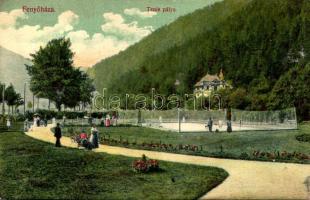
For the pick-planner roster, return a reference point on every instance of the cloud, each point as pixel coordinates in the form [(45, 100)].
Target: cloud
[(91, 49), (115, 25), (8, 19), (116, 36), (27, 39), (139, 13)]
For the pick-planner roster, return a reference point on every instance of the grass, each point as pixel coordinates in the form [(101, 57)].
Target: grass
[(34, 169), (228, 145)]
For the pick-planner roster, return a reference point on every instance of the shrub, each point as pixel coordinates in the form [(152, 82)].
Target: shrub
[(49, 114), (71, 130), (244, 156), (29, 115), (20, 117), (303, 138)]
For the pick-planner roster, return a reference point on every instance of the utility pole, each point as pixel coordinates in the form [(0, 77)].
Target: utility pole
[(24, 98), (3, 109), (32, 102), (210, 101), (38, 103), (179, 120)]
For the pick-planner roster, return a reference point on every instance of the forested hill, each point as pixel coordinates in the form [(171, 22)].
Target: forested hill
[(261, 41), (177, 33), (262, 47)]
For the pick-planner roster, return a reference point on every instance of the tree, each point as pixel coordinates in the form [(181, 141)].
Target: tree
[(1, 98), (292, 89), (53, 75), (29, 104), (238, 99), (12, 97), (86, 90), (18, 102), (1, 90), (254, 46)]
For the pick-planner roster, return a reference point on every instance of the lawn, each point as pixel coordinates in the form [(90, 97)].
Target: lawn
[(273, 145), (34, 169)]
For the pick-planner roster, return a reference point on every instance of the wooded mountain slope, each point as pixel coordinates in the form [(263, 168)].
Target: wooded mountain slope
[(257, 46), (185, 28)]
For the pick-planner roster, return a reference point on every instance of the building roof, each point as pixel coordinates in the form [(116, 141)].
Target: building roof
[(207, 78)]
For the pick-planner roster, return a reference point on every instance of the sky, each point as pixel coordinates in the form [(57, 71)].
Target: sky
[(97, 28)]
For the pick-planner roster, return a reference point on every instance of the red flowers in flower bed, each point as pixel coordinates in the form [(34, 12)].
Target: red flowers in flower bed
[(151, 145), (144, 165), (281, 155), (153, 165), (140, 166)]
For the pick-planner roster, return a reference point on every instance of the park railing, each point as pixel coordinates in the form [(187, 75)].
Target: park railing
[(181, 120), (266, 120)]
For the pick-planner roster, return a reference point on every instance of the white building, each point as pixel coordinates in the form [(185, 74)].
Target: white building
[(210, 83)]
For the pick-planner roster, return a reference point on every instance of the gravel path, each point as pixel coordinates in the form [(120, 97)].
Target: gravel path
[(247, 179)]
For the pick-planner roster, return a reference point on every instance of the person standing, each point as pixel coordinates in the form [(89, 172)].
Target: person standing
[(8, 123), (54, 121), (102, 122), (210, 124), (34, 121), (229, 128), (107, 121), (57, 135), (63, 121), (38, 121), (94, 138), (45, 122), (26, 125), (220, 124)]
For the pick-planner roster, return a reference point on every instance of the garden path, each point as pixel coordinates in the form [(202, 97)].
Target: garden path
[(247, 179)]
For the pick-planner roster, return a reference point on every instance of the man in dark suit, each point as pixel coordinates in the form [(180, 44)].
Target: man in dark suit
[(57, 135)]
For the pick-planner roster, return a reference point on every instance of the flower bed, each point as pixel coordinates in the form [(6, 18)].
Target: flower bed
[(145, 165), (151, 146), (284, 155)]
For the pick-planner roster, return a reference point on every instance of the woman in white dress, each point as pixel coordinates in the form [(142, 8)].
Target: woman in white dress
[(35, 121), (54, 121), (8, 123)]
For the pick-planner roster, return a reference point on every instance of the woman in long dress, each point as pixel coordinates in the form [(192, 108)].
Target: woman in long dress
[(94, 137), (34, 121), (107, 121), (8, 123), (54, 121)]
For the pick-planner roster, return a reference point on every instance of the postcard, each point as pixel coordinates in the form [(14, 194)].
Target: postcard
[(155, 99)]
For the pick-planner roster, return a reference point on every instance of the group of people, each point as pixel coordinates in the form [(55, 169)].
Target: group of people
[(106, 121), (220, 124), (89, 142), (37, 122)]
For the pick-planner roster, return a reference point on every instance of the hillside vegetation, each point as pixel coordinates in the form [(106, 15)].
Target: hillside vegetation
[(262, 47), (175, 34)]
